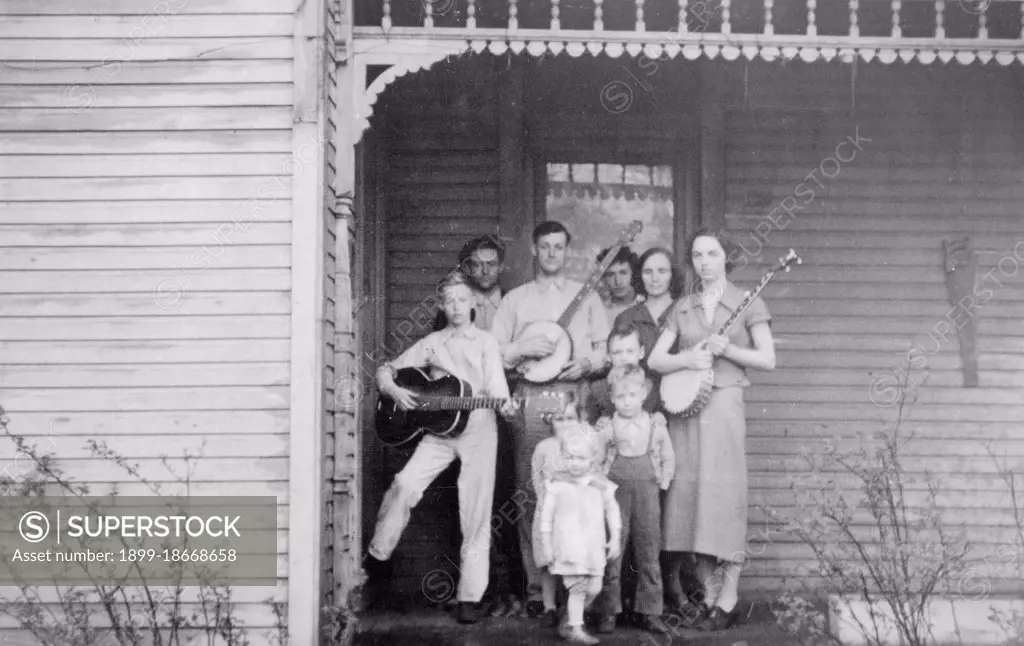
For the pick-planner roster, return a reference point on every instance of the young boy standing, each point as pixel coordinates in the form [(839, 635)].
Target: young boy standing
[(625, 348), (469, 353), (639, 460)]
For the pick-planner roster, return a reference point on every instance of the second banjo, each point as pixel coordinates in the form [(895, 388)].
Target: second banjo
[(686, 391)]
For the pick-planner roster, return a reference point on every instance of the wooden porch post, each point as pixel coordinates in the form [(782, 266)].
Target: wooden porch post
[(349, 385), (306, 513), (712, 149), (514, 214)]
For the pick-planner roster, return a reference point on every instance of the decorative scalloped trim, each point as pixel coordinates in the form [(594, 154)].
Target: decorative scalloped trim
[(690, 51), (808, 53)]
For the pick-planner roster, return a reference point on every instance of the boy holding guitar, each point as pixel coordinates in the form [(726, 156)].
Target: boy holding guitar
[(551, 357), (465, 351)]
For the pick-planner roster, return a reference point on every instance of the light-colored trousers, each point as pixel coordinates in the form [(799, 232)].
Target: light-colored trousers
[(477, 448)]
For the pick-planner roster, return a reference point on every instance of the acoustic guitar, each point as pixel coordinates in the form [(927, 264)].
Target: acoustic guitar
[(444, 407), (685, 391), (545, 369)]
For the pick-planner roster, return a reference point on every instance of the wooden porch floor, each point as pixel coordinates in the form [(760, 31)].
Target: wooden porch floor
[(437, 627)]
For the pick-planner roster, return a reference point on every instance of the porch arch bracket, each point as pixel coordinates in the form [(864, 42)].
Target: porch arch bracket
[(414, 54), (425, 56)]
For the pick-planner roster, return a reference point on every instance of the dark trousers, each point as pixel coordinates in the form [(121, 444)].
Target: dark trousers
[(506, 575), (639, 502)]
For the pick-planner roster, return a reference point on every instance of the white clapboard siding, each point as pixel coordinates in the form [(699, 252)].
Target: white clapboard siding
[(872, 285), (145, 247)]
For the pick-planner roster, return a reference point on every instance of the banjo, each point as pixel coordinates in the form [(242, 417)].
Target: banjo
[(545, 369), (687, 391)]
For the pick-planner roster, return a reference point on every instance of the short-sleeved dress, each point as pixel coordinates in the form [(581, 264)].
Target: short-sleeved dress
[(705, 509)]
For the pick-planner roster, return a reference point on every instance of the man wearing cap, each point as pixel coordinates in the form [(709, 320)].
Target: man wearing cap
[(480, 259), (465, 351)]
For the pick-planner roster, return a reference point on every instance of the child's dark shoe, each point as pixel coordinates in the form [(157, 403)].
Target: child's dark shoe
[(606, 625), (534, 609)]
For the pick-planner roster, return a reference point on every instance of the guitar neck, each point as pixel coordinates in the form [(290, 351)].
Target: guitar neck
[(462, 403)]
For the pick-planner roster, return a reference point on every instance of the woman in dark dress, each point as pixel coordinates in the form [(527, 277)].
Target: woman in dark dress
[(705, 510), (662, 283)]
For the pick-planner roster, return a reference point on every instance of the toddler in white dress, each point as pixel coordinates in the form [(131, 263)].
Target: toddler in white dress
[(580, 525)]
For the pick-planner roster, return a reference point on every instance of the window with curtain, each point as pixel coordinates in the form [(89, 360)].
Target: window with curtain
[(598, 201)]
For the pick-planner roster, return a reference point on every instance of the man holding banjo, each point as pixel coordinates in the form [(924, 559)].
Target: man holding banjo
[(548, 359)]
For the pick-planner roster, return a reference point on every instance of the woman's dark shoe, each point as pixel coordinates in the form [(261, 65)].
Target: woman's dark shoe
[(719, 619), (690, 613)]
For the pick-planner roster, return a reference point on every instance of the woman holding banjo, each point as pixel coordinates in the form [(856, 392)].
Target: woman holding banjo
[(705, 510)]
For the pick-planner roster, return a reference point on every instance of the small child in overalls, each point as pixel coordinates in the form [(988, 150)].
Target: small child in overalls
[(639, 460), (579, 526)]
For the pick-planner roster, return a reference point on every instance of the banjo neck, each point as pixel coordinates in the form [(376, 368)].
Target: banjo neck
[(597, 274), (748, 299)]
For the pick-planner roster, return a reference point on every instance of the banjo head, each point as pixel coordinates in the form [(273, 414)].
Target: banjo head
[(680, 389), (540, 371)]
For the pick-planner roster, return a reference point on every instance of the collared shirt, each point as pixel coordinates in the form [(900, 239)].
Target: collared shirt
[(688, 321), (632, 437), (546, 301), (471, 354), (485, 306)]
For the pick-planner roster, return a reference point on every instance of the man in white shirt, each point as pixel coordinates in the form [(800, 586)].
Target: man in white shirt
[(545, 299)]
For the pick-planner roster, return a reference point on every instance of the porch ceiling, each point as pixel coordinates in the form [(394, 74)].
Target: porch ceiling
[(403, 50)]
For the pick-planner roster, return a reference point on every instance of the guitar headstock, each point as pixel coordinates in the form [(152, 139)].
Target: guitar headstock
[(546, 403), (788, 260)]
